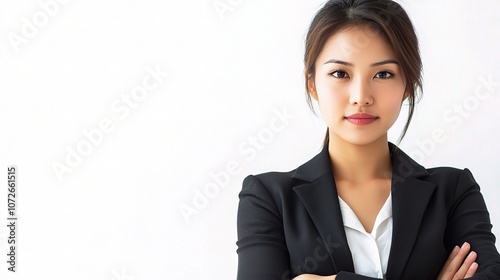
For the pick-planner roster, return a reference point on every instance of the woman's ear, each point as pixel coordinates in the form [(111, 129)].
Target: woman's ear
[(311, 87)]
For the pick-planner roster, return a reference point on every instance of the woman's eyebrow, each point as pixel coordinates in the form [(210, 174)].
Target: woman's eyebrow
[(387, 61), (339, 62)]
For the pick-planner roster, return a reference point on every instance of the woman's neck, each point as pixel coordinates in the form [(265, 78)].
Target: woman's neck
[(359, 163)]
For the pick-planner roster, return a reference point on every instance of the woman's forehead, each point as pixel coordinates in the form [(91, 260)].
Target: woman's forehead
[(356, 44)]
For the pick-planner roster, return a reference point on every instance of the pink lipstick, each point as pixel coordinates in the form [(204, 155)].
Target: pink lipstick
[(361, 119)]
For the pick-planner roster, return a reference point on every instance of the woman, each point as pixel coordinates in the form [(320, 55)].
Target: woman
[(363, 209)]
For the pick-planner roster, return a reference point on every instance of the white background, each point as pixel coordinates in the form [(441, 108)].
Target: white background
[(116, 214)]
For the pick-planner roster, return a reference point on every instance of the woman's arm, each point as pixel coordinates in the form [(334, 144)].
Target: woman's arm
[(262, 251), (469, 221), (314, 277), (460, 264)]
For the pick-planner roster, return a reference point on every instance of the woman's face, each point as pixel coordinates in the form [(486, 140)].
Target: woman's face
[(359, 86)]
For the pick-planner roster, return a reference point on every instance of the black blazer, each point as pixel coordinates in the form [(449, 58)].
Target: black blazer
[(290, 223)]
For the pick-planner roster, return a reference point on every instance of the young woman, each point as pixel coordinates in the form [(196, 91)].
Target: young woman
[(363, 209)]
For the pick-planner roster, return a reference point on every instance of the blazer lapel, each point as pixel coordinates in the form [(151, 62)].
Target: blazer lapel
[(319, 197), (410, 197)]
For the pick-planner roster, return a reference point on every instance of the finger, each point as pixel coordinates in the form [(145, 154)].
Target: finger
[(453, 253), (459, 258), (306, 277), (450, 270), (471, 258), (472, 270)]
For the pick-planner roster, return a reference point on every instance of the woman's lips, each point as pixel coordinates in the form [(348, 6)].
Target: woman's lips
[(361, 119)]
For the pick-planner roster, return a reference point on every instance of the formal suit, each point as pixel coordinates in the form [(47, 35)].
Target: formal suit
[(289, 223)]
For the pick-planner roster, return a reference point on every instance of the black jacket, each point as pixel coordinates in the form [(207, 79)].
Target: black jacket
[(290, 223)]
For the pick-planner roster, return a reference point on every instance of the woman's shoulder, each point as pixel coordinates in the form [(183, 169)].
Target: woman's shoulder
[(273, 181), (284, 182), (445, 172), (405, 166), (457, 179)]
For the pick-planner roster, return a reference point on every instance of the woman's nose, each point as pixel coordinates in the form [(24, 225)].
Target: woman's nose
[(360, 94)]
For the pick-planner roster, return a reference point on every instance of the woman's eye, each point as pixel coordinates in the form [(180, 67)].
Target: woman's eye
[(339, 74), (384, 75)]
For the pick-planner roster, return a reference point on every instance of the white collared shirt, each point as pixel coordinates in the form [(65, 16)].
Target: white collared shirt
[(370, 251)]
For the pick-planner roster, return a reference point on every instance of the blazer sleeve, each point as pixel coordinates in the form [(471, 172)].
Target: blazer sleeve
[(469, 221), (262, 250)]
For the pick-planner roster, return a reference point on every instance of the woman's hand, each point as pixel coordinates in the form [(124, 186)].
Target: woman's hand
[(460, 264), (314, 277)]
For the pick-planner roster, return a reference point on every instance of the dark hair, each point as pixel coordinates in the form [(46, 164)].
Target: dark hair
[(385, 17)]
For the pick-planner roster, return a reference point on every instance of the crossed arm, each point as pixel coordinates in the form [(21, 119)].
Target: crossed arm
[(460, 264)]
